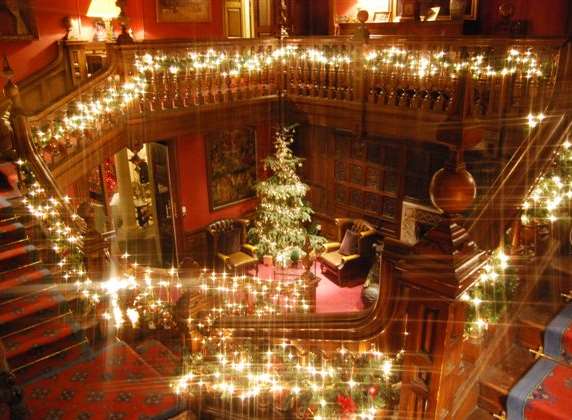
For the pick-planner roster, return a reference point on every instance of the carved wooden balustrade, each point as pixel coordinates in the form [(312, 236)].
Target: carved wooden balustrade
[(320, 76), (447, 86)]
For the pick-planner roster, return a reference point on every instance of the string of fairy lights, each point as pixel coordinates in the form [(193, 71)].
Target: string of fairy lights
[(288, 379), (309, 382), (66, 242), (105, 105)]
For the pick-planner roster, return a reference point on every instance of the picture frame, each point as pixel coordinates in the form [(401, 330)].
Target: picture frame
[(432, 14), (184, 11), (231, 166), (471, 9), (381, 17)]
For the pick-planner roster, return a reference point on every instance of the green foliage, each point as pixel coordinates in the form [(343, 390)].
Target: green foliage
[(489, 297), (283, 216)]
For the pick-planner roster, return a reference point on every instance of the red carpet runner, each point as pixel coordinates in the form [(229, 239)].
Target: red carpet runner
[(115, 383), (545, 392)]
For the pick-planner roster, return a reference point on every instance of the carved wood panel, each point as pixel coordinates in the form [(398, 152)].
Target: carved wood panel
[(366, 177)]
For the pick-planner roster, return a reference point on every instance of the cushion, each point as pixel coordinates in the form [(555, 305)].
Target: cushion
[(240, 259), (332, 259), (229, 241), (369, 294), (349, 244)]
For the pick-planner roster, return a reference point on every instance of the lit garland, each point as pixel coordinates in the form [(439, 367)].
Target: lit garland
[(64, 241), (288, 380), (487, 298), (250, 296), (94, 114), (110, 102), (422, 63), (552, 191), (140, 298)]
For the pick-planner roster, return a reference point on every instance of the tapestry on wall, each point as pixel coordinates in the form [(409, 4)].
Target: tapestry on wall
[(231, 166), (183, 10)]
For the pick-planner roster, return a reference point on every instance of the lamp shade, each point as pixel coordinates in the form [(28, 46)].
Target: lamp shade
[(105, 9)]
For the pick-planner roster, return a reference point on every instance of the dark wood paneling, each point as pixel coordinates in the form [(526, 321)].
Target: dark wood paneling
[(365, 177)]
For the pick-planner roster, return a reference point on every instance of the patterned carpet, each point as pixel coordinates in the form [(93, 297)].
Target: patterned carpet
[(44, 342), (114, 383), (545, 392)]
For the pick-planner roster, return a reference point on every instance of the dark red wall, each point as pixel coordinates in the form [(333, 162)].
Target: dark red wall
[(27, 57), (192, 178), (544, 17)]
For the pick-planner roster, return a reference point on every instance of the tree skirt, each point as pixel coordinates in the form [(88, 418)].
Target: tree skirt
[(545, 392), (114, 383)]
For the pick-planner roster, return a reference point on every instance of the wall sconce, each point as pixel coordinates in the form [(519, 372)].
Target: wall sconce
[(104, 11)]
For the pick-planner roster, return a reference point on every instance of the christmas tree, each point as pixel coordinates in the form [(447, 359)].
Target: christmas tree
[(283, 218)]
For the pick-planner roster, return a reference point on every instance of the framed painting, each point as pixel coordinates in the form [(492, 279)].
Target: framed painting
[(470, 6), (231, 166), (183, 11)]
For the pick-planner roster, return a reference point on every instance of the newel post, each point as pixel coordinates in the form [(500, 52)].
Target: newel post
[(437, 271), (95, 247)]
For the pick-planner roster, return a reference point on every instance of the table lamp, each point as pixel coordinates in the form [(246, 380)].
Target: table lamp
[(104, 11)]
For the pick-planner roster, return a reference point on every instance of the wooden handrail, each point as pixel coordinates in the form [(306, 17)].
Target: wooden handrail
[(502, 202), (364, 325), (37, 78)]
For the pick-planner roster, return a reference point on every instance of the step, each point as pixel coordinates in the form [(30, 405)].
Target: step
[(159, 357), (14, 257), (6, 209), (11, 232), (25, 306), (39, 353), (23, 280), (61, 341), (72, 353), (41, 334), (498, 380), (531, 326)]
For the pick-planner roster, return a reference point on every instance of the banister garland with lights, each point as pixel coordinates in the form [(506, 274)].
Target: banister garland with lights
[(105, 106), (283, 378), (65, 243), (310, 384)]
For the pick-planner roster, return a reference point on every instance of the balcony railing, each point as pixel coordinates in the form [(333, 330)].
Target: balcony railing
[(464, 82)]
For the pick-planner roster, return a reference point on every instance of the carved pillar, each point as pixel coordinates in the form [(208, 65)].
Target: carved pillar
[(437, 271), (283, 19), (123, 209), (124, 37), (94, 246)]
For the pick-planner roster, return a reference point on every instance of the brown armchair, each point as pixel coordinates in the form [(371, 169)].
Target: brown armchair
[(228, 247), (343, 267)]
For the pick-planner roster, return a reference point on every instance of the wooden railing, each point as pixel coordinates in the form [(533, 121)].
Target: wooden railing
[(452, 84), (336, 72)]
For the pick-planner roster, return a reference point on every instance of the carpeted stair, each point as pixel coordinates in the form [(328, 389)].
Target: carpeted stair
[(512, 362), (48, 348), (545, 392), (113, 383)]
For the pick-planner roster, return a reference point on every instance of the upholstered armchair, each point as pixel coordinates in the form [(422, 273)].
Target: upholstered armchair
[(349, 257), (228, 247)]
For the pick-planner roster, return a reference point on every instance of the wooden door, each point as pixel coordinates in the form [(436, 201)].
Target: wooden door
[(234, 26), (264, 18)]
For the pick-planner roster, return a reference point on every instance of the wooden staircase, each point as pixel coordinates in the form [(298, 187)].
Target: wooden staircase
[(510, 361), (41, 335), (36, 323)]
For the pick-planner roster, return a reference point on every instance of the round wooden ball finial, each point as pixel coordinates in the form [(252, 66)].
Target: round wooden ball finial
[(453, 188), (363, 16)]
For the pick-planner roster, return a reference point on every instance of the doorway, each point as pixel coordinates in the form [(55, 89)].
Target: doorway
[(238, 19), (141, 207)]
